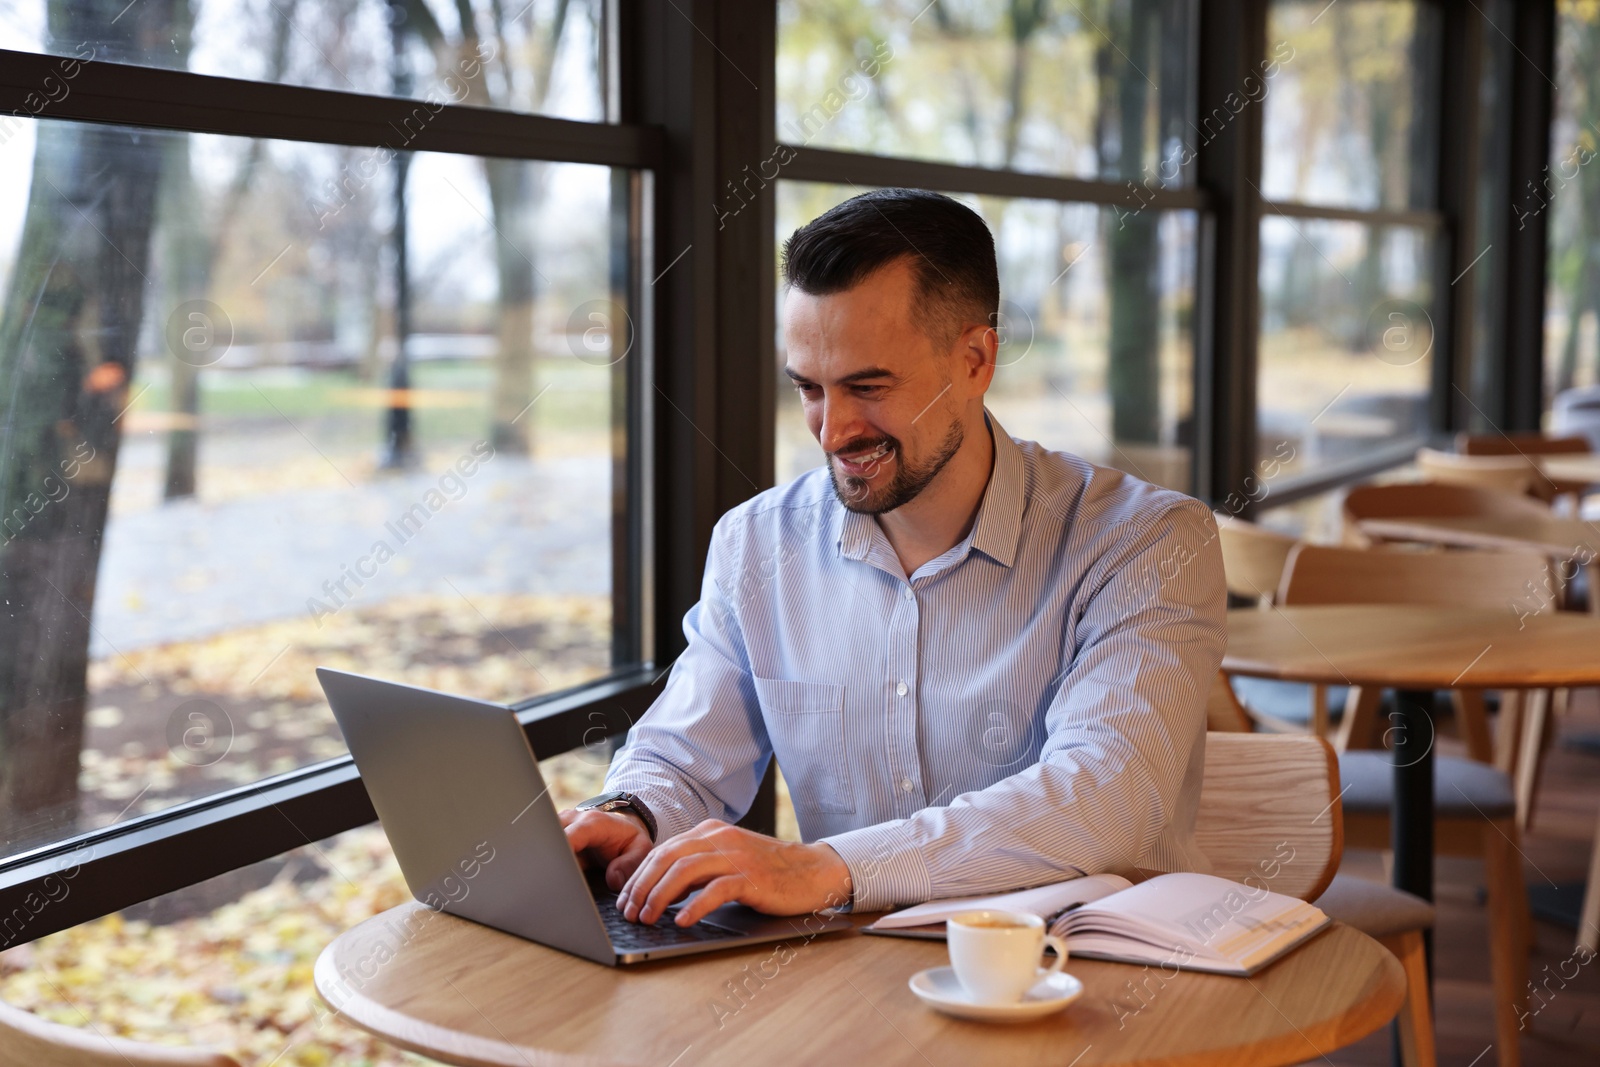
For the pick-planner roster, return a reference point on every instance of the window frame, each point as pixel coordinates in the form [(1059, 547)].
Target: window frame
[(1234, 36)]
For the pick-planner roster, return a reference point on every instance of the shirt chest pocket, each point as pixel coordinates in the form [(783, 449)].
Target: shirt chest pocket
[(805, 722)]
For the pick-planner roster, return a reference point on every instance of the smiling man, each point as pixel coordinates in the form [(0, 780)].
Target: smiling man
[(980, 664)]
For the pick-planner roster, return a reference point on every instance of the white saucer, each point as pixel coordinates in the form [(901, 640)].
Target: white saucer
[(939, 988)]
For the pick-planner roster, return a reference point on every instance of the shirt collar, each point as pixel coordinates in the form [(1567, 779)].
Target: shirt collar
[(999, 523)]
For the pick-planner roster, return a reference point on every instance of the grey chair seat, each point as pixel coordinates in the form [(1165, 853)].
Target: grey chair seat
[(1461, 787), (1285, 701), (1375, 909)]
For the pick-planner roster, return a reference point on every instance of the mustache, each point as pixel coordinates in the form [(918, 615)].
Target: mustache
[(867, 444)]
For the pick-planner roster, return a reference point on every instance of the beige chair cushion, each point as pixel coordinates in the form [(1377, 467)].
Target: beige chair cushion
[(1375, 909)]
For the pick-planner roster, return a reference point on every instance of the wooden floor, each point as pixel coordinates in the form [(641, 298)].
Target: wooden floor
[(1565, 1031)]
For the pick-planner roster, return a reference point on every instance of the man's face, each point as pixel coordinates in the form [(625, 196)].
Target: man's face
[(881, 398)]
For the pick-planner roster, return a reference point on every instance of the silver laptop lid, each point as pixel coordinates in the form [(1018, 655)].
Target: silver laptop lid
[(459, 793)]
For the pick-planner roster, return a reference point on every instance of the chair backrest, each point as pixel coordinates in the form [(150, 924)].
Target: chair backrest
[(29, 1041), (1252, 557), (1224, 713), (1269, 813), (1406, 500), (1519, 444), (1510, 474), (1323, 574)]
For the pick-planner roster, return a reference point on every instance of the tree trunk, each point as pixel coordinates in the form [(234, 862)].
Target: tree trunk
[(68, 330), (193, 250), (187, 262), (1133, 235)]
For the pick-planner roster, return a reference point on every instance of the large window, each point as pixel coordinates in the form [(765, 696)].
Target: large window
[(365, 393), (1348, 255)]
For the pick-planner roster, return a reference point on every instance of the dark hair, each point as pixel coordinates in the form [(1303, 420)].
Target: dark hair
[(950, 249)]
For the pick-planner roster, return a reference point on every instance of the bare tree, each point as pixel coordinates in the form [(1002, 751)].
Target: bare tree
[(69, 324), (515, 191), (194, 245)]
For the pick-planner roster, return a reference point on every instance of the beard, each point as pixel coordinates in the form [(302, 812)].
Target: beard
[(910, 479)]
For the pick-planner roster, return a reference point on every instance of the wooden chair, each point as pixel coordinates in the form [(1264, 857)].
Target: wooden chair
[(1474, 802), (1258, 793), (1530, 444), (1265, 796), (29, 1041), (1520, 444), (1404, 500), (1253, 558), (1509, 474), (1319, 574)]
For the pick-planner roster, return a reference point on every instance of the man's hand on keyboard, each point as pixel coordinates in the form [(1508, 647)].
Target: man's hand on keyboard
[(727, 863), (613, 838)]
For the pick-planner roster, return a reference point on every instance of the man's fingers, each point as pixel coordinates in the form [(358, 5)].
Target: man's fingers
[(598, 836), (621, 868), (566, 815), (645, 875), (684, 875), (714, 894)]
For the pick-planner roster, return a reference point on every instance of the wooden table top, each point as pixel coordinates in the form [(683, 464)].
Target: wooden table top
[(466, 994), (1554, 535), (1572, 466), (1407, 647)]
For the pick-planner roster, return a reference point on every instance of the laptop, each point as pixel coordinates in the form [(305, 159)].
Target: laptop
[(458, 790)]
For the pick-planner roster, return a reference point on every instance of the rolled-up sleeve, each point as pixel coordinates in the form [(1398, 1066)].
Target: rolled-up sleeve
[(1124, 738), (701, 750)]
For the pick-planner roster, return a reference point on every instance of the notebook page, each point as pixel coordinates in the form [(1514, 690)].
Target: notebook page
[(1208, 917), (1043, 901)]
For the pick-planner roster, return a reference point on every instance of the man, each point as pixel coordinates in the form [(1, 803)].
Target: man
[(980, 664)]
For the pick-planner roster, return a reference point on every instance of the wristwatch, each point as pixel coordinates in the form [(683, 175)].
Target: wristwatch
[(620, 801)]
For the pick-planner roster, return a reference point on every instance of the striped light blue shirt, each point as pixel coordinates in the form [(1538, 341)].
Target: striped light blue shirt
[(1028, 707)]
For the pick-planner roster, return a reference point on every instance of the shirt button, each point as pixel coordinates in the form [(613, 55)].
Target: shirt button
[(909, 595), (905, 784), (902, 689)]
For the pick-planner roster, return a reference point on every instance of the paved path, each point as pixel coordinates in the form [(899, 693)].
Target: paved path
[(193, 569)]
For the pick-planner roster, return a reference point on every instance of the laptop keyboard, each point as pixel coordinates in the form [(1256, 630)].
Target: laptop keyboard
[(663, 933)]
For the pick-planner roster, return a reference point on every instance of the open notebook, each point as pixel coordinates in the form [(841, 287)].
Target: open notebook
[(1194, 921)]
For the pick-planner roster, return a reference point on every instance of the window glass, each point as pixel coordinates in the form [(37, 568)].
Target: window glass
[(1096, 356), (1087, 90), (544, 56), (1350, 120), (1569, 198), (1347, 334), (239, 441)]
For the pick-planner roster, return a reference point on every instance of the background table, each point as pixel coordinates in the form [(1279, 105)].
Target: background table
[(1571, 466), (1415, 650), (466, 994), (1557, 537)]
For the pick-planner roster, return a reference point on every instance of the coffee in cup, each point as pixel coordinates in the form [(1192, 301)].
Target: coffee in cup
[(996, 954)]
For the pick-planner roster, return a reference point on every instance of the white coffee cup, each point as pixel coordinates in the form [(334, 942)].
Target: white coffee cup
[(996, 954)]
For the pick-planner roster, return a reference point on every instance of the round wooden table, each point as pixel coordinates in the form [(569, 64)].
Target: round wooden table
[(1415, 650), (466, 994)]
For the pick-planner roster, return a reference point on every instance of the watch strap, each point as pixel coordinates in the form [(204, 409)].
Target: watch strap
[(620, 801)]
